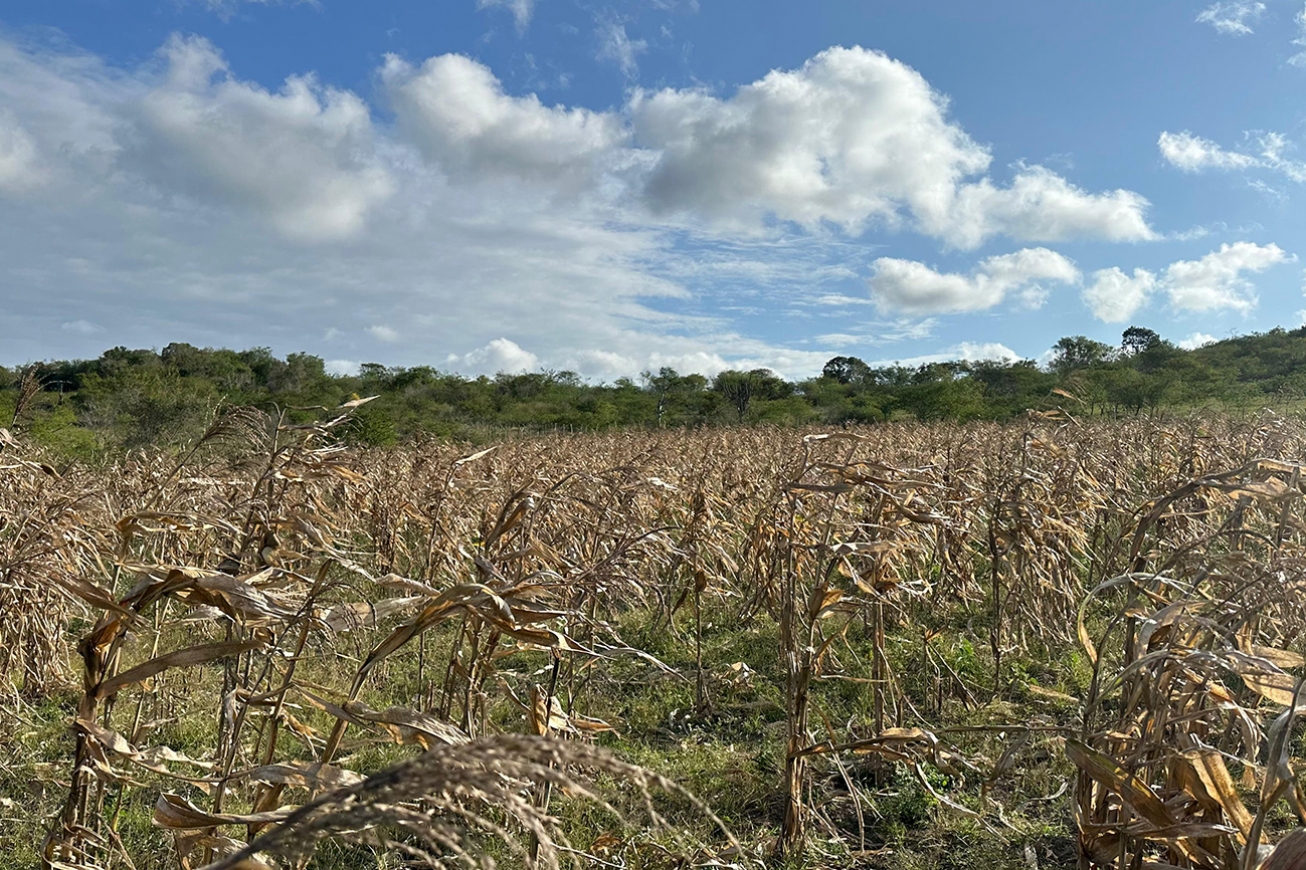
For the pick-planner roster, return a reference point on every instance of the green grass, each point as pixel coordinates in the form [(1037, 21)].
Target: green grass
[(730, 754)]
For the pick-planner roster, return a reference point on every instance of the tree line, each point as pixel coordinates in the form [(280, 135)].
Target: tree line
[(135, 398)]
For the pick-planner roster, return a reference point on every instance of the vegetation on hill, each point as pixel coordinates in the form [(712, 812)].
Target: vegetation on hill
[(132, 398)]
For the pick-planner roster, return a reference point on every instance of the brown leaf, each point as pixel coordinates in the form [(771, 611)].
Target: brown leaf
[(1131, 789), (1275, 688), (195, 655), (404, 725), (175, 812), (1290, 854), (1214, 776), (301, 774)]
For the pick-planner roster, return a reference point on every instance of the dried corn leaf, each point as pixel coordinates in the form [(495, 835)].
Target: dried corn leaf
[(150, 759), (1275, 688), (300, 774), (345, 617), (404, 725), (1289, 854), (1106, 772), (175, 812), (1214, 776), (195, 655)]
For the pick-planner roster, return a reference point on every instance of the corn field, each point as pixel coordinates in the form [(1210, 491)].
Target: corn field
[(275, 651)]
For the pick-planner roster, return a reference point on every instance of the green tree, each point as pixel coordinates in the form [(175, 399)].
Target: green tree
[(741, 389), (1078, 352), (673, 391), (846, 370), (1137, 339)]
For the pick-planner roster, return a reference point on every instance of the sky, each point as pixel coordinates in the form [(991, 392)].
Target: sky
[(614, 187)]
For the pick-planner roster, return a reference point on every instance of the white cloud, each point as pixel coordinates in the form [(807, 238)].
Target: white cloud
[(383, 333), (303, 158), (342, 367), (840, 300), (850, 138), (81, 327), (521, 10), (1041, 206), (981, 351), (56, 111), (603, 364), (1194, 154), (1196, 340), (1299, 19), (615, 45), (500, 355), (18, 164), (227, 9), (966, 351), (1272, 147), (1216, 281), (1232, 17), (128, 235), (1115, 296), (841, 339), (458, 114), (914, 288), (156, 187)]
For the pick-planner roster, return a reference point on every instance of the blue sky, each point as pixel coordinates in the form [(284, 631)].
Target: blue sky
[(609, 187)]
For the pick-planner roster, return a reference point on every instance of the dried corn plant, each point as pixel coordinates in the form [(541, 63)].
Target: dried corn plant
[(329, 613), (1194, 695)]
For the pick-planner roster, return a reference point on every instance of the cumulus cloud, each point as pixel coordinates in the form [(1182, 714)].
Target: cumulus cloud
[(179, 199), (127, 232), (1115, 296), (850, 138), (1196, 340), (500, 355), (1233, 17), (383, 333), (1216, 281), (915, 288), (56, 111), (1040, 206), (521, 10), (18, 167), (616, 46), (342, 366), (456, 111), (966, 351), (1194, 154), (304, 158)]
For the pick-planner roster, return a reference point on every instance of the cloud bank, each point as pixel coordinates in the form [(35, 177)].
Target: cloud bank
[(491, 226)]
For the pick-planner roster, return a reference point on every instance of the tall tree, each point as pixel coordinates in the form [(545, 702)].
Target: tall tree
[(741, 388), (846, 370), (1078, 352), (1137, 339)]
